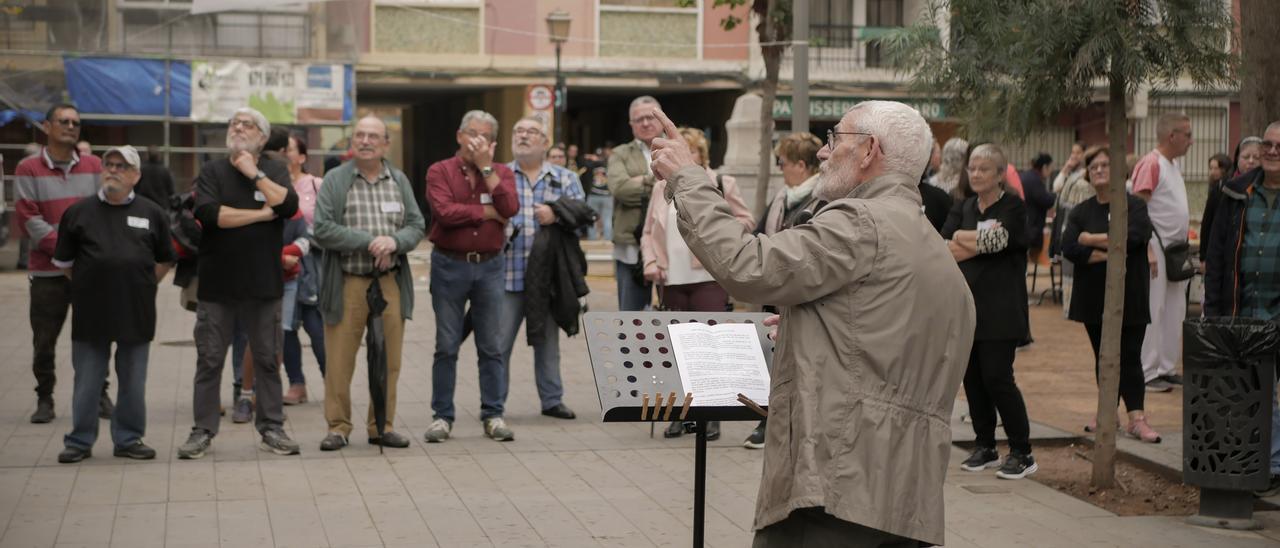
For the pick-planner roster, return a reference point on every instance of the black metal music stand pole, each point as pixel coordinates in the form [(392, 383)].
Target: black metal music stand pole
[(700, 485)]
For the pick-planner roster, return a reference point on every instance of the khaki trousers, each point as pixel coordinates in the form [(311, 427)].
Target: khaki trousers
[(342, 344)]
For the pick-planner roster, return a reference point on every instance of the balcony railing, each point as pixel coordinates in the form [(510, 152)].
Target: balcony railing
[(842, 47)]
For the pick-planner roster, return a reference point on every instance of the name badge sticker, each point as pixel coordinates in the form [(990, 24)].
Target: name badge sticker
[(138, 222), (486, 199), (259, 196), (987, 224), (391, 207)]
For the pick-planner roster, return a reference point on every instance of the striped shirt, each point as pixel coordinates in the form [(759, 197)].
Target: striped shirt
[(43, 192), (553, 182), (374, 207)]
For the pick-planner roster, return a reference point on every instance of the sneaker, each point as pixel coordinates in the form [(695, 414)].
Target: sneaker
[(756, 439), (1017, 466), (276, 441), (674, 430), (559, 411), (296, 395), (73, 454), (137, 451), (1174, 379), (243, 412), (981, 459), (1273, 488), (1159, 385), (438, 431), (496, 429), (390, 439), (197, 443), (333, 442), (44, 411), (713, 430), (1140, 430), (105, 408)]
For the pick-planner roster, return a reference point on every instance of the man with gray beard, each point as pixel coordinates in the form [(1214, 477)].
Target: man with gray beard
[(242, 204)]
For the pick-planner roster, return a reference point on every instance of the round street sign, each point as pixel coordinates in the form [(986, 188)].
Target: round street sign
[(540, 97)]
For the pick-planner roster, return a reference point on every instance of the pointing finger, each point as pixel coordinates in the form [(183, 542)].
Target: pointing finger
[(668, 127)]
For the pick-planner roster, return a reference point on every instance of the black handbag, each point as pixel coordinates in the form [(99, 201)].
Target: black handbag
[(1178, 266)]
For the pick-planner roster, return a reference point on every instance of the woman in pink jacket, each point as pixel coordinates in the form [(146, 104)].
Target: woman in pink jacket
[(683, 285)]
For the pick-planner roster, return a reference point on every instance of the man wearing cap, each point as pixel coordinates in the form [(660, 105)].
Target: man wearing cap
[(115, 249)]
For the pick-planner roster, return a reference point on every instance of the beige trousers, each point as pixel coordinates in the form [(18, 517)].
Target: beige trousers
[(342, 344)]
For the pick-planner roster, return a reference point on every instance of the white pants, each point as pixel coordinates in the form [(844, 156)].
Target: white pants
[(1162, 346)]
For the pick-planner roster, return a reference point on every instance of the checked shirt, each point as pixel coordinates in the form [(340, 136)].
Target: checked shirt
[(1260, 258), (552, 183), (370, 209)]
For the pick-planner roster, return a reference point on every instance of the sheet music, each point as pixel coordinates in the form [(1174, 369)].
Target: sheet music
[(718, 362)]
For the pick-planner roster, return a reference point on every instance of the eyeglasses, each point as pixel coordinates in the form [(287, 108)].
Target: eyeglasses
[(474, 133), (116, 166), (369, 137), (645, 119), (1270, 146), (68, 122), (242, 123), (831, 136), (530, 131)]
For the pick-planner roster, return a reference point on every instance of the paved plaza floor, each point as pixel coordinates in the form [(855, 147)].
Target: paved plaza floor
[(560, 483)]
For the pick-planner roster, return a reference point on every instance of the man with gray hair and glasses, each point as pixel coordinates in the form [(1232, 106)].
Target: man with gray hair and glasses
[(471, 198), (631, 182), (875, 327), (242, 203)]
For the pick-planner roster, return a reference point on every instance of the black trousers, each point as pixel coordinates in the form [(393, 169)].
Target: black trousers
[(1133, 389), (50, 301), (989, 386), (814, 528)]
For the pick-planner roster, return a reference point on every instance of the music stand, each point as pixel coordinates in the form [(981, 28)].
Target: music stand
[(636, 376)]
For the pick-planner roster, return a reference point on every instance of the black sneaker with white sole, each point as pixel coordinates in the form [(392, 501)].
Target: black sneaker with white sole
[(981, 459), (1017, 466), (1273, 488), (756, 439)]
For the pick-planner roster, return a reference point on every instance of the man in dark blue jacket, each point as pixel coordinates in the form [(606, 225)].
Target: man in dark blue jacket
[(1242, 275)]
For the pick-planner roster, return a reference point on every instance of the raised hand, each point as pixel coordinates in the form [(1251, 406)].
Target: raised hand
[(670, 152)]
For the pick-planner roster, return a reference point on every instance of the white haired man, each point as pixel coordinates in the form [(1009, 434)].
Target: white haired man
[(1158, 180), (242, 203), (869, 394)]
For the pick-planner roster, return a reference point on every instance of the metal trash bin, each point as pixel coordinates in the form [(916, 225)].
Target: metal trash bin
[(1229, 370)]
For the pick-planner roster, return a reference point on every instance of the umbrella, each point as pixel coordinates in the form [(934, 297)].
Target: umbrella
[(376, 343)]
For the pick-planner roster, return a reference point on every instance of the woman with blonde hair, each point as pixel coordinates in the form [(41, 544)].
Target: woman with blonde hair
[(953, 159), (683, 285)]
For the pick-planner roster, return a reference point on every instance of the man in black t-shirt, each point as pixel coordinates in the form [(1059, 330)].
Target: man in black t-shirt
[(115, 248), (242, 203)]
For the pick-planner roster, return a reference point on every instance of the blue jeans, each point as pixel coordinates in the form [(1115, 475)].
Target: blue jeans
[(453, 283), (603, 206), (308, 317), (546, 353), (632, 297), (90, 361)]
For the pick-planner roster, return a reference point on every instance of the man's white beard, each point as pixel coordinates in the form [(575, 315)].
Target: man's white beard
[(234, 147)]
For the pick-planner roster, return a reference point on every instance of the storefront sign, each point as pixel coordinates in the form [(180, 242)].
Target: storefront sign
[(284, 92), (832, 108)]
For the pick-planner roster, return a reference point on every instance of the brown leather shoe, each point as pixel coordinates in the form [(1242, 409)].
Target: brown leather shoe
[(297, 394)]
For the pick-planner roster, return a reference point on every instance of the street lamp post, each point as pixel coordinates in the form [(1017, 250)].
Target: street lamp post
[(558, 26)]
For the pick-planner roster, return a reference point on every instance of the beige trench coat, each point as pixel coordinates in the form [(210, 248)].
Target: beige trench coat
[(876, 327)]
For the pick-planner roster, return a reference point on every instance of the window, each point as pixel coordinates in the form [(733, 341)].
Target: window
[(831, 23), (643, 3), (881, 14), (251, 34)]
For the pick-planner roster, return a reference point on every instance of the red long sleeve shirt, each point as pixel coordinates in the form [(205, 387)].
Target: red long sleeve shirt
[(457, 195)]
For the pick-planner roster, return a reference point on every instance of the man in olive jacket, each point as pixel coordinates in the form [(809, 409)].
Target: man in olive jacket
[(367, 221), (872, 340), (630, 183)]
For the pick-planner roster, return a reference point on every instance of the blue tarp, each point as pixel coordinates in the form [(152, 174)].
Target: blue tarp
[(108, 85), (9, 116)]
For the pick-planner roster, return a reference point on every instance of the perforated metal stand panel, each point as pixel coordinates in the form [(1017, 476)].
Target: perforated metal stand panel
[(631, 357)]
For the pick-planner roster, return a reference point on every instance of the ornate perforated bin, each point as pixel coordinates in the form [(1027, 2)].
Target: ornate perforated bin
[(1229, 380)]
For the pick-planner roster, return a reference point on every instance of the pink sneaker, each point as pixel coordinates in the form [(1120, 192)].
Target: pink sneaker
[(1139, 429)]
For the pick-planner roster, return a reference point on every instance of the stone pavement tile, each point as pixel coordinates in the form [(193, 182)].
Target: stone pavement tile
[(398, 520), (12, 482), (1171, 532), (282, 480), (296, 523), (33, 525), (49, 486), (87, 523), (651, 518), (440, 508), (238, 480), (235, 443), (540, 508), (97, 485), (594, 513), (192, 481), (243, 523), (330, 478), (191, 523), (634, 540), (24, 448), (375, 477), (139, 525), (346, 521), (144, 483)]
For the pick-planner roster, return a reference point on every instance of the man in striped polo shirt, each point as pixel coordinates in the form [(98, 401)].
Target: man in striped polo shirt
[(46, 185)]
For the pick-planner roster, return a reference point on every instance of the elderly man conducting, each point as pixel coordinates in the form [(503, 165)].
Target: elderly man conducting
[(875, 327)]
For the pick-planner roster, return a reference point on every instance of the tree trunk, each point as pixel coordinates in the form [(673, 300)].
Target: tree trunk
[(772, 55), (1104, 447), (1260, 65)]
